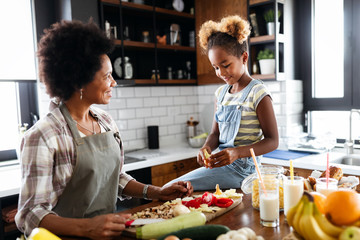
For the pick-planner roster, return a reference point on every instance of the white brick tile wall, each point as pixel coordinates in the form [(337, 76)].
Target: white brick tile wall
[(143, 112), (158, 111), (125, 92), (151, 102), (135, 108), (136, 123), (158, 91), (179, 100), (122, 124), (172, 91), (141, 92), (134, 102), (186, 91), (126, 113), (166, 101)]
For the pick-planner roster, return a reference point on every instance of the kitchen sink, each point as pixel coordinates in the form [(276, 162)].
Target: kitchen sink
[(132, 160), (352, 159)]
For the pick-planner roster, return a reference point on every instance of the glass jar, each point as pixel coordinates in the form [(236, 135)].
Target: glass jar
[(251, 184)]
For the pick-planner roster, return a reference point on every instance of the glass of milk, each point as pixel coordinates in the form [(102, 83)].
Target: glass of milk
[(293, 190), (269, 202), (325, 189)]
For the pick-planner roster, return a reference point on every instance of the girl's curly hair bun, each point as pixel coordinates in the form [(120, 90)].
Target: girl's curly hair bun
[(205, 32), (236, 27), (233, 26)]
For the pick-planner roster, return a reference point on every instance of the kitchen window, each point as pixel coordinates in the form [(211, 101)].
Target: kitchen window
[(332, 88), (18, 93)]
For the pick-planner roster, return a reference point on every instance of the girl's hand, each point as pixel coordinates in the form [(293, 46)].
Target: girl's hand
[(223, 158), (106, 226), (201, 158), (178, 189)]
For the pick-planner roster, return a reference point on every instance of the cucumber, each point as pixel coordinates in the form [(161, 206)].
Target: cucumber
[(155, 230), (206, 232)]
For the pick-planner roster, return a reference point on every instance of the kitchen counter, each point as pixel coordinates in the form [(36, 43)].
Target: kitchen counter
[(10, 176)]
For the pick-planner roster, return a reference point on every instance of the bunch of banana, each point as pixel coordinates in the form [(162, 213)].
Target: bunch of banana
[(42, 234), (309, 222)]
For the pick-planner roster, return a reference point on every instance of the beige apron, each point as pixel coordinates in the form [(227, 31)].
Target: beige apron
[(93, 187)]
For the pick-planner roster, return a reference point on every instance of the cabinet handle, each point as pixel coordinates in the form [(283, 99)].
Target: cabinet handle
[(181, 165), (175, 167)]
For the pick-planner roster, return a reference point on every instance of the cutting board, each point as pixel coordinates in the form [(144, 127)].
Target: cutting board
[(131, 232), (285, 155)]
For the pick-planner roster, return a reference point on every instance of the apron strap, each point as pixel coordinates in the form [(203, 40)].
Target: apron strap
[(72, 124)]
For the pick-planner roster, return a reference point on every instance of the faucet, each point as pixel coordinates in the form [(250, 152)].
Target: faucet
[(349, 145)]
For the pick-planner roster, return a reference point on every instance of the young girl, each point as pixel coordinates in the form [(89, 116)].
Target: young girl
[(244, 116)]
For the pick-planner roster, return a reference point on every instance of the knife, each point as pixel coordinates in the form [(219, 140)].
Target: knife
[(143, 221)]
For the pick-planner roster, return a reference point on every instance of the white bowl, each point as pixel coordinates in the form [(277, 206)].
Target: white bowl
[(196, 142)]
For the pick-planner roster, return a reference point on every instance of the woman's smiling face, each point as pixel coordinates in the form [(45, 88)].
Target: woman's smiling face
[(227, 67), (99, 91)]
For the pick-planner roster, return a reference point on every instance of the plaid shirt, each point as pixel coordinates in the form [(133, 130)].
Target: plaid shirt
[(48, 157)]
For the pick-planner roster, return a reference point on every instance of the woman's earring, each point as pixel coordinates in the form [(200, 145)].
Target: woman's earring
[(81, 94)]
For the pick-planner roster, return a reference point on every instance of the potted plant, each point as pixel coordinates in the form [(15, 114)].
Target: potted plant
[(269, 17), (266, 60)]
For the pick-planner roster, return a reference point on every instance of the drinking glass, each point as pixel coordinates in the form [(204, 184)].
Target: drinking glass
[(324, 188), (293, 190), (269, 202)]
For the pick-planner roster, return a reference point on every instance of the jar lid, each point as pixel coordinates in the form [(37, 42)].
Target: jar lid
[(246, 185), (271, 169)]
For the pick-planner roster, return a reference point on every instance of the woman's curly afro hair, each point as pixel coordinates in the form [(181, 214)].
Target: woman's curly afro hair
[(230, 33), (69, 56)]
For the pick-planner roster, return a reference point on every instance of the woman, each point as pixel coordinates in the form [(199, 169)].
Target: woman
[(71, 160), (244, 116)]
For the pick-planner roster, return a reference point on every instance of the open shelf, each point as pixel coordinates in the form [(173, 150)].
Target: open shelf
[(177, 81), (132, 20), (266, 39), (144, 7), (264, 76)]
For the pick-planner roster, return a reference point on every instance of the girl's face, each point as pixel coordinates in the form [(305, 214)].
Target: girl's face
[(99, 91), (227, 67)]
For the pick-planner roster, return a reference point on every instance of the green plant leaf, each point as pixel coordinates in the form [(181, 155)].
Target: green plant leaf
[(266, 54)]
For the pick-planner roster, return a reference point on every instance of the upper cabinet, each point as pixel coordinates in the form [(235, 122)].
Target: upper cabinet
[(271, 53), (155, 41)]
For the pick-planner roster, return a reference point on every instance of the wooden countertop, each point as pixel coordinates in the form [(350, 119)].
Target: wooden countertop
[(243, 215)]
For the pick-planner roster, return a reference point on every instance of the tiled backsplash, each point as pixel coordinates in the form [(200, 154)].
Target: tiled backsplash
[(135, 108)]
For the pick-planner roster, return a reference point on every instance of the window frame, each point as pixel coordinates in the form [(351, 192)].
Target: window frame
[(351, 70), (28, 109)]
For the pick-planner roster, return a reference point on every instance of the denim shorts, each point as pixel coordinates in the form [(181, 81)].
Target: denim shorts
[(229, 176)]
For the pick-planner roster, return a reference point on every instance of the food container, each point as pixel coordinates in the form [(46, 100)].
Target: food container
[(251, 184), (196, 142)]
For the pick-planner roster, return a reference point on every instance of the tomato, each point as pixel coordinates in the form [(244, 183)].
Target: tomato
[(208, 198), (195, 203), (224, 202)]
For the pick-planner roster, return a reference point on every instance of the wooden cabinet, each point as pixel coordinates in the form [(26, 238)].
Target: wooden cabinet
[(136, 29), (164, 173), (280, 41), (213, 10)]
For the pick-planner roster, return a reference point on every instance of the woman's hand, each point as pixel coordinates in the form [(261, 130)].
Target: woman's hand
[(106, 226), (178, 189), (201, 159), (223, 158)]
